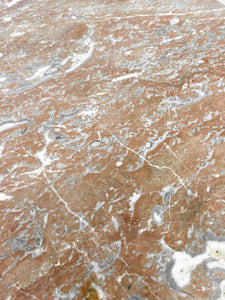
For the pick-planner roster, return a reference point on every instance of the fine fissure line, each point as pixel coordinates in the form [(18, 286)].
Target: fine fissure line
[(143, 158)]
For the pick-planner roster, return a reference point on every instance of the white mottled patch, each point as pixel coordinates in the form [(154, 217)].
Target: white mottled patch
[(174, 21), (222, 290), (110, 209), (179, 242), (17, 33), (90, 112), (7, 19), (45, 219), (133, 199), (184, 266), (119, 164), (4, 197), (99, 205), (208, 117), (190, 231), (124, 77), (222, 1), (46, 161), (158, 215), (115, 223), (217, 175), (12, 3), (37, 252)]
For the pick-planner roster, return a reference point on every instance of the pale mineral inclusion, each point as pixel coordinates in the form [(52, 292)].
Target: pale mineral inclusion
[(185, 264), (4, 197)]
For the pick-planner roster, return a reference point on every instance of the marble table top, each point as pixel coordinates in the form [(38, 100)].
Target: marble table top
[(112, 144)]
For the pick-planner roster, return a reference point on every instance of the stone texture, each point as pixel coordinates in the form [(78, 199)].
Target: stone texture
[(112, 149)]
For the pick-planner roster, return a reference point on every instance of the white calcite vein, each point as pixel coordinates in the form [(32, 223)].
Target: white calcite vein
[(132, 200), (144, 159), (12, 124)]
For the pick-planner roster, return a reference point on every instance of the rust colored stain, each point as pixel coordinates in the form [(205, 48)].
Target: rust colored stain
[(91, 294)]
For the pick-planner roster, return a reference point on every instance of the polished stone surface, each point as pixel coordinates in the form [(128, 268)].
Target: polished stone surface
[(112, 149)]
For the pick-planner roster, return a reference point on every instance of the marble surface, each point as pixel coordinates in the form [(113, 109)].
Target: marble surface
[(112, 149)]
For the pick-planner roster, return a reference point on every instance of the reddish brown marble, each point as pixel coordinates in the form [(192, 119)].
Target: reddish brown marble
[(112, 150)]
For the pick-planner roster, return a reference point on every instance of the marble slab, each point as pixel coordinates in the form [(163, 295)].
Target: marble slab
[(112, 142)]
